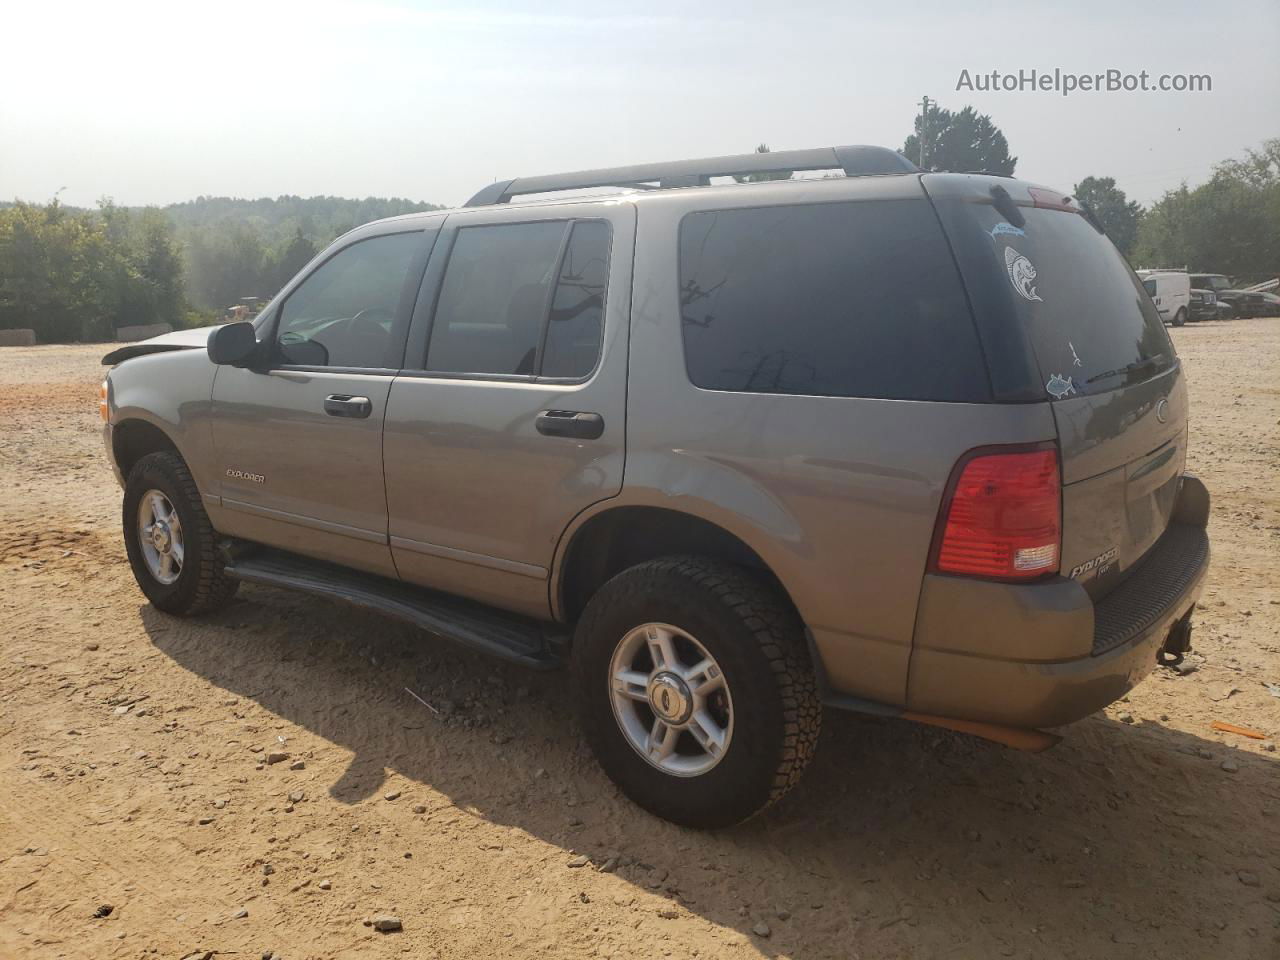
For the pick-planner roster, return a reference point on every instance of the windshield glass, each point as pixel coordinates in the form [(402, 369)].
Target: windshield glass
[(1087, 319)]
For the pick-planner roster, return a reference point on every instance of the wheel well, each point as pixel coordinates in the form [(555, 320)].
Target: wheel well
[(131, 440), (620, 538)]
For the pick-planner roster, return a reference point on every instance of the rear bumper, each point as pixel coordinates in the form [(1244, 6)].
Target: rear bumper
[(1045, 654)]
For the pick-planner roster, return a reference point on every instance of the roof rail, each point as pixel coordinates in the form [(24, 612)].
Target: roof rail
[(855, 161)]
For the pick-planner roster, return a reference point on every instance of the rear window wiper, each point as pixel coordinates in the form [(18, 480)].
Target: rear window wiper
[(1128, 368)]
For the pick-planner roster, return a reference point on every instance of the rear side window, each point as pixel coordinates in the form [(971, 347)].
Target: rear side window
[(854, 299), (577, 309), (1061, 286), (522, 299)]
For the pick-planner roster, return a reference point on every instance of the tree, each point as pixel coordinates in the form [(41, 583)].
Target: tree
[(79, 274), (294, 257), (1230, 225), (764, 177), (1118, 215), (964, 142)]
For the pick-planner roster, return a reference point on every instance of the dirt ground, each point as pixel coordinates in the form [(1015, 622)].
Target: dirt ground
[(134, 765)]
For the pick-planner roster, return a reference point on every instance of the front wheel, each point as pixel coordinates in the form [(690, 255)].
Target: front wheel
[(170, 540), (1180, 318), (696, 690)]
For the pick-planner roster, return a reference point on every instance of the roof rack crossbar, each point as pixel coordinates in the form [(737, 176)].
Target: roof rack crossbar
[(855, 161)]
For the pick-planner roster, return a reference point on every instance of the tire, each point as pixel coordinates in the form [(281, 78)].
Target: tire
[(199, 583), (1180, 318), (757, 644)]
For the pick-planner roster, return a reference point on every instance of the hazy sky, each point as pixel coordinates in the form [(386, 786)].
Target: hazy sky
[(158, 102)]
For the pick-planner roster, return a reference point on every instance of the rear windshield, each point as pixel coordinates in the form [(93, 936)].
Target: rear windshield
[(1087, 320), (855, 299)]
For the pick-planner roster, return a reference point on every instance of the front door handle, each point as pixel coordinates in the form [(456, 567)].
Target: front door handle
[(570, 423), (345, 405)]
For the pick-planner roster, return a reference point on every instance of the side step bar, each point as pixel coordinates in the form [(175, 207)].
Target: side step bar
[(495, 632)]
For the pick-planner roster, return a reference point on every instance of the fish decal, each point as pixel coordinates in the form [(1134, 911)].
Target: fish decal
[(1060, 386), (1021, 273), (1006, 229)]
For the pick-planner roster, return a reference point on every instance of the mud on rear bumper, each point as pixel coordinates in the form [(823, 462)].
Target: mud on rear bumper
[(1044, 654)]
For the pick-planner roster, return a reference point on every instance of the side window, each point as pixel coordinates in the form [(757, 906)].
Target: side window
[(1150, 286), (577, 309), (856, 299), (518, 300), (341, 315)]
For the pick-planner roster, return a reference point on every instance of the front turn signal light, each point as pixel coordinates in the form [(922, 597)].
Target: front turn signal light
[(102, 401)]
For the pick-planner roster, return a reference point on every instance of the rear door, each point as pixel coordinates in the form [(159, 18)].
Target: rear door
[(509, 417), (298, 435), (1103, 360)]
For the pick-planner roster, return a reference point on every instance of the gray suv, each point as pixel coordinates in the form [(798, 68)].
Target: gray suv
[(902, 443)]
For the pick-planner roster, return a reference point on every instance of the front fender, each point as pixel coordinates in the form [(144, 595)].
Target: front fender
[(173, 393)]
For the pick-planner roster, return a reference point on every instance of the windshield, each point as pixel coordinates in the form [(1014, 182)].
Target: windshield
[(1211, 283), (1089, 323)]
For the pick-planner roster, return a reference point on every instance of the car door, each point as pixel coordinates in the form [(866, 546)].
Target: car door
[(509, 417), (298, 432)]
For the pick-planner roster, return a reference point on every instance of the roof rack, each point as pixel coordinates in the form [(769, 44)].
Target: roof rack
[(855, 161)]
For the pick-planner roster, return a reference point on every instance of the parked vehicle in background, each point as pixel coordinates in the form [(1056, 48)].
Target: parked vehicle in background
[(1203, 305), (1170, 291), (1225, 310), (1271, 304), (1243, 303), (731, 452)]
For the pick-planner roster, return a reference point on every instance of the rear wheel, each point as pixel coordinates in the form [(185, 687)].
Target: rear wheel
[(170, 540), (1180, 318), (696, 690)]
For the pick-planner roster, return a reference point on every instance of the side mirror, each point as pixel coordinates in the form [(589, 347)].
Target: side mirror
[(232, 342)]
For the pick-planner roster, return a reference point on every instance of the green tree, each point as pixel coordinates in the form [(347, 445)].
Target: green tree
[(296, 255), (1118, 214), (72, 274), (964, 142), (1230, 225)]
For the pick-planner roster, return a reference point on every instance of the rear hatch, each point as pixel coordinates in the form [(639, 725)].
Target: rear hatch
[(1064, 319)]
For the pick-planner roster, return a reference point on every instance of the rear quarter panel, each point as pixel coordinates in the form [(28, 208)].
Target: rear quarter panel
[(838, 496)]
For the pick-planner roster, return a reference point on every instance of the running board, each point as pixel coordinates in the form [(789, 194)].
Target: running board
[(500, 634)]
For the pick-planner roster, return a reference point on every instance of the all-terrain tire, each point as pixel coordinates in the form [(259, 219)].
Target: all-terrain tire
[(758, 642), (201, 585)]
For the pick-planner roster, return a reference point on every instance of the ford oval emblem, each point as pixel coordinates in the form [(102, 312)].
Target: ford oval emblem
[(1162, 410)]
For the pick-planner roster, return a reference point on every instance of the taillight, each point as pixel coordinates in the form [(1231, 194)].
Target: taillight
[(1050, 199), (1003, 518)]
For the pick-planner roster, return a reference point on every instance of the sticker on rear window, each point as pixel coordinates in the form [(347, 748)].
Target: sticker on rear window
[(1021, 273), (1060, 386), (1006, 229)]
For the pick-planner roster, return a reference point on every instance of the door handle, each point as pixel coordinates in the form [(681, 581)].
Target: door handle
[(570, 423), (345, 405)]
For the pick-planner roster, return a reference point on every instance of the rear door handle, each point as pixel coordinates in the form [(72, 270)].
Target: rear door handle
[(345, 405), (570, 423)]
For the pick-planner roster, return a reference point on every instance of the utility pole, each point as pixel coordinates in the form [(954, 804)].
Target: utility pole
[(924, 127)]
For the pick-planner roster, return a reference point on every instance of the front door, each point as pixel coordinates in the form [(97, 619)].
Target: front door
[(298, 435), (509, 418)]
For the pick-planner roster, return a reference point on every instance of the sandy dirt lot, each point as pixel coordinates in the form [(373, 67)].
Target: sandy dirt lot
[(134, 773)]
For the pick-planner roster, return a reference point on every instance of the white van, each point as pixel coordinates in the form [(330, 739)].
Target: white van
[(1171, 291)]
